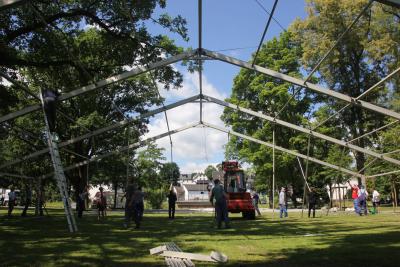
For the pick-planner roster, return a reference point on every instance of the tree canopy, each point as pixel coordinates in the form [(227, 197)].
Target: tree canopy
[(64, 45)]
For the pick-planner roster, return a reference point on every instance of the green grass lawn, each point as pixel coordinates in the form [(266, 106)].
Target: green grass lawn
[(334, 240)]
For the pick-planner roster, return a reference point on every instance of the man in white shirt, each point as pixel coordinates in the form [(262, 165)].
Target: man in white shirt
[(282, 203), (11, 201), (375, 200)]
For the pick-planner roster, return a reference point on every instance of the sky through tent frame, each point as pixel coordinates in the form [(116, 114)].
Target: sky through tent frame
[(203, 54)]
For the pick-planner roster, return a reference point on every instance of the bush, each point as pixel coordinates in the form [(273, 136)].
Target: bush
[(156, 198)]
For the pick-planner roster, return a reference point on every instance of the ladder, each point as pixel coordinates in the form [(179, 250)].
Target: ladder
[(59, 174)]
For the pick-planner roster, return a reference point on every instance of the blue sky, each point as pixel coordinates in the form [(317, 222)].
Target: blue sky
[(227, 24)]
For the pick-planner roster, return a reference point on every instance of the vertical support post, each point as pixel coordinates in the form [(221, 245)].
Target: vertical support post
[(273, 170), (127, 155), (38, 196), (306, 175), (200, 61)]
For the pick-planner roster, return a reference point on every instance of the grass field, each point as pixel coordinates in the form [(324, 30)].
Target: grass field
[(334, 240)]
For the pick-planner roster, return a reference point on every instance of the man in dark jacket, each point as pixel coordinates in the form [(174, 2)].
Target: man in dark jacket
[(312, 200), (220, 203), (171, 204), (49, 103), (28, 199)]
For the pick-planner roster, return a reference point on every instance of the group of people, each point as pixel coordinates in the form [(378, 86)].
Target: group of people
[(134, 205), (101, 202), (12, 198), (360, 197)]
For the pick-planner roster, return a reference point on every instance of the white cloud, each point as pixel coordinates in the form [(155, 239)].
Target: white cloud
[(196, 144), (191, 87), (192, 167)]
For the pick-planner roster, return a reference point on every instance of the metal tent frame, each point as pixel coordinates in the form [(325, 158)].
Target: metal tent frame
[(201, 54)]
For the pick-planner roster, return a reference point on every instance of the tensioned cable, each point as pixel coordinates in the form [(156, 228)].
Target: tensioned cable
[(165, 112), (265, 31), (269, 13), (238, 48)]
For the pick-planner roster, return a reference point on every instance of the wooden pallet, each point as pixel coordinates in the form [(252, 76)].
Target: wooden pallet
[(172, 261)]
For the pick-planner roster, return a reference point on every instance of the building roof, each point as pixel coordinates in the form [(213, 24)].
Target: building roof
[(196, 187)]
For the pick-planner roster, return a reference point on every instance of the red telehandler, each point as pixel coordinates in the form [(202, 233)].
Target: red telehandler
[(235, 187)]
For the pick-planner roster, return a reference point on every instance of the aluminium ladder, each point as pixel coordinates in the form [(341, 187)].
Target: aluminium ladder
[(59, 174)]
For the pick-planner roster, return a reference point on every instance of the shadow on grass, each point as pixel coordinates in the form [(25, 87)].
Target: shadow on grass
[(45, 241), (354, 250)]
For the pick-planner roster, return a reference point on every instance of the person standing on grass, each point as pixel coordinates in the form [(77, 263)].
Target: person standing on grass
[(130, 189), (375, 200), (221, 208), (28, 199), (171, 204), (11, 201), (312, 201), (256, 200), (80, 201), (101, 204), (283, 203), (354, 196), (362, 200), (137, 203)]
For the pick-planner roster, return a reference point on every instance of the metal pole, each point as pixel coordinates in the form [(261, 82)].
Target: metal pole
[(102, 130), (200, 61), (265, 31), (273, 170), (302, 172), (291, 152), (303, 130), (373, 131), (359, 97), (306, 174), (383, 174), (379, 83), (338, 41)]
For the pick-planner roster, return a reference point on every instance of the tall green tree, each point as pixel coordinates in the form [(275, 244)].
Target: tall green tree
[(68, 44), (148, 166), (170, 173), (364, 56), (268, 95), (209, 171)]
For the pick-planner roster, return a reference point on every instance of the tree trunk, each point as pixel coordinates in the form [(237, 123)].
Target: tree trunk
[(330, 195), (115, 185)]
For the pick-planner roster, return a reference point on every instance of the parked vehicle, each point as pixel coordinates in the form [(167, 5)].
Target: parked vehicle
[(235, 187), (5, 197)]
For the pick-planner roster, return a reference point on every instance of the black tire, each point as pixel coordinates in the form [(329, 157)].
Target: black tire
[(251, 215), (244, 214)]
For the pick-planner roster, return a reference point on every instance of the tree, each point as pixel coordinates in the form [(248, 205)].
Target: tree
[(363, 57), (68, 44), (209, 171), (268, 95), (148, 167), (170, 173)]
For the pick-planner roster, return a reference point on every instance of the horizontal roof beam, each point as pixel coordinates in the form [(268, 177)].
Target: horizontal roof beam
[(383, 174), (104, 82), (102, 130), (302, 83), (291, 152), (302, 129), (122, 149), (5, 174), (4, 4), (394, 3)]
